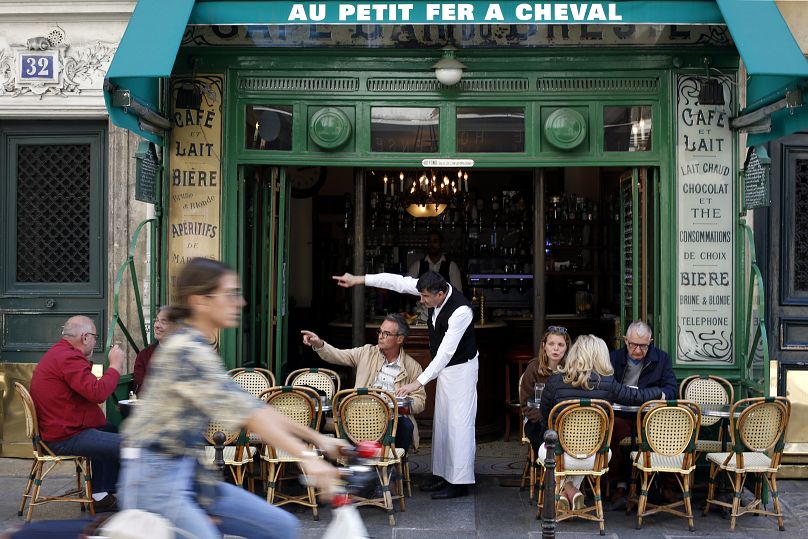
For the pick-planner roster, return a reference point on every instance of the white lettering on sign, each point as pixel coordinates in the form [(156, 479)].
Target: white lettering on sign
[(705, 287), (447, 163), (448, 12)]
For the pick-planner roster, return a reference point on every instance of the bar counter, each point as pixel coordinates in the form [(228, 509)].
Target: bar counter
[(491, 342)]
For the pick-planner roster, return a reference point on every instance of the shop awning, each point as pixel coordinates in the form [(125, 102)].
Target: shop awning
[(774, 64), (145, 55), (149, 47)]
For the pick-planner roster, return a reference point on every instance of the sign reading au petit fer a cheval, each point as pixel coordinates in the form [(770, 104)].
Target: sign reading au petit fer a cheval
[(705, 173), (194, 156)]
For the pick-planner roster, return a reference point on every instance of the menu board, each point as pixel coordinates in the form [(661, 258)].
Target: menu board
[(705, 184), (194, 178), (628, 250)]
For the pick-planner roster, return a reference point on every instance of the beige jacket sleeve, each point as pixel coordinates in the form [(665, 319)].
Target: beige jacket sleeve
[(348, 356), (414, 370)]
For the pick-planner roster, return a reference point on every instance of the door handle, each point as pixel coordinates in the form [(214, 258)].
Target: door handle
[(49, 304)]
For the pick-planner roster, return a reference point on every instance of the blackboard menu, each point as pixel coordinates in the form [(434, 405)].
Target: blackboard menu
[(147, 172), (626, 201)]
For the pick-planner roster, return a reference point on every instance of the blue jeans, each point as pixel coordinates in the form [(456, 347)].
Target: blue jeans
[(164, 485), (103, 446), (404, 433)]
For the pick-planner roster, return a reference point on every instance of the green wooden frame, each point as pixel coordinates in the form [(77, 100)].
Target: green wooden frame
[(237, 64)]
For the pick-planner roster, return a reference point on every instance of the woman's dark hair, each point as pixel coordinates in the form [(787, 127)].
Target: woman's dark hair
[(199, 277)]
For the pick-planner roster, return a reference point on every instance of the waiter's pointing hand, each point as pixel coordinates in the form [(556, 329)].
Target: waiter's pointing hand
[(405, 390), (348, 280)]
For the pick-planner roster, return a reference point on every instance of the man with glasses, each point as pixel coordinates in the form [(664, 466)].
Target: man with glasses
[(66, 395), (642, 365), (384, 365)]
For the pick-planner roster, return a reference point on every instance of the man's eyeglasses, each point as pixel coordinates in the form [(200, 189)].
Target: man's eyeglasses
[(637, 346), (556, 329), (387, 334), (95, 335)]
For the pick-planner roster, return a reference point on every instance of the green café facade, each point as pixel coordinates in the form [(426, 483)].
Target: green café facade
[(244, 99)]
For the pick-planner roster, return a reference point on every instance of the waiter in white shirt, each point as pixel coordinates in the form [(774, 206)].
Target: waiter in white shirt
[(435, 260), (455, 365)]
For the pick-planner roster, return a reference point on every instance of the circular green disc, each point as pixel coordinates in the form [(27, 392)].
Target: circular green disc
[(565, 128), (329, 128)]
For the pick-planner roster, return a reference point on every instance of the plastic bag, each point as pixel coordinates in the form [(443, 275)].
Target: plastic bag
[(346, 524)]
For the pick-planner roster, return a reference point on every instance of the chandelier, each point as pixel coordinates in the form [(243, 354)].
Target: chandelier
[(427, 193)]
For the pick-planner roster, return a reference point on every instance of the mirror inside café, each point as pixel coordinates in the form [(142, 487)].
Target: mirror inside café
[(485, 219)]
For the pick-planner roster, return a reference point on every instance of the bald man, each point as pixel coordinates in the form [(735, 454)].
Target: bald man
[(66, 395)]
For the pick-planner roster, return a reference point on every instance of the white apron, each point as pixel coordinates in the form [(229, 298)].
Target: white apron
[(453, 441)]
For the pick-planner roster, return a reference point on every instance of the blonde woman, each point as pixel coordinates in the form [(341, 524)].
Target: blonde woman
[(586, 374), (553, 349)]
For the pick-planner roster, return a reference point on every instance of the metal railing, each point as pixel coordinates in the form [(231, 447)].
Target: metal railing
[(128, 267), (755, 348)]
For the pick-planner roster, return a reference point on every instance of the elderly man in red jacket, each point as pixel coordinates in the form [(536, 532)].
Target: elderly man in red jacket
[(66, 395)]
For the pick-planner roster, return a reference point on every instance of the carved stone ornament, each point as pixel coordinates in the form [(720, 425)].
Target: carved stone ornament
[(47, 65)]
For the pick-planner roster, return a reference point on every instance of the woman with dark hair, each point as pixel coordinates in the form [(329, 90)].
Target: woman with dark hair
[(587, 374), (162, 327), (552, 351), (187, 388)]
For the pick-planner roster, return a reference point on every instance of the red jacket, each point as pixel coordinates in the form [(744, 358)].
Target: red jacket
[(66, 393), (142, 365)]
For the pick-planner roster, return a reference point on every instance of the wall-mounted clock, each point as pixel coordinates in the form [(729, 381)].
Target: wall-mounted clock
[(305, 180)]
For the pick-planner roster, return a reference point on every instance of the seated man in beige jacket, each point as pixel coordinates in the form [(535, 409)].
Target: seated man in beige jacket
[(384, 365)]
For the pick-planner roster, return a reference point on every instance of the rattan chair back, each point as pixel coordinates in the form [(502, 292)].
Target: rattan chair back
[(31, 422), (761, 425), (300, 404), (584, 427), (366, 414), (230, 435), (707, 389), (669, 428), (253, 380), (324, 380)]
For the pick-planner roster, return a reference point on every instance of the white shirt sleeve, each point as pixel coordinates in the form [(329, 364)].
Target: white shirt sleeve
[(454, 277), (459, 321), (391, 281)]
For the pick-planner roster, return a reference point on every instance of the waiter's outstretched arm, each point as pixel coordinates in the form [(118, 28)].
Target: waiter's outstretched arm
[(390, 281)]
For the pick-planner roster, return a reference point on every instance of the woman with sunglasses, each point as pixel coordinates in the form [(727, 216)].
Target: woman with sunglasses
[(188, 387), (587, 373), (552, 351)]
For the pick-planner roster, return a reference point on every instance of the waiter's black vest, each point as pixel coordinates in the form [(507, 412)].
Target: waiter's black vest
[(443, 269), (467, 348)]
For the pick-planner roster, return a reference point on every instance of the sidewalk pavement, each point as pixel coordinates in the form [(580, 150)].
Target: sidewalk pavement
[(491, 510)]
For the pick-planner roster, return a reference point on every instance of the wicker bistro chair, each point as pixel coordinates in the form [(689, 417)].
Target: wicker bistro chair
[(584, 429), (45, 461), (253, 380), (757, 438), (238, 452), (324, 380), (371, 414), (668, 431), (708, 389), (303, 406)]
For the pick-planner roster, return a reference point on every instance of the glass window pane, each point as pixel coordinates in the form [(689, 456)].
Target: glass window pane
[(268, 127), (490, 129), (627, 129), (404, 129)]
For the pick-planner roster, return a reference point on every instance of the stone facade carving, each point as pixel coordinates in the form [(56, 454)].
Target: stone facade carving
[(80, 68)]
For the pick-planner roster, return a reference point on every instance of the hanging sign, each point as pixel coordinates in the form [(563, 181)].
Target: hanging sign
[(147, 173), (705, 183), (194, 177)]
